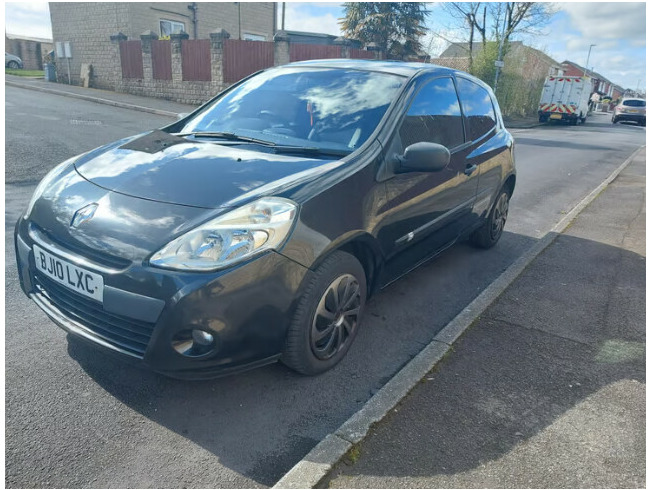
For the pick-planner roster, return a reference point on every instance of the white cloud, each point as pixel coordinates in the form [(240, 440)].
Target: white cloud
[(298, 18), (608, 20), (30, 19)]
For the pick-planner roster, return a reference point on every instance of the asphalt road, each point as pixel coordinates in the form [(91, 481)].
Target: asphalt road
[(76, 417)]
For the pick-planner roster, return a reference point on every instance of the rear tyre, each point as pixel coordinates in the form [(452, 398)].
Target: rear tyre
[(583, 119), (328, 315), (614, 120), (13, 65), (574, 121), (642, 123), (489, 233)]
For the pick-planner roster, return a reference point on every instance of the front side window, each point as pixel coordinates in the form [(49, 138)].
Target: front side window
[(317, 107), (478, 108), (434, 116), (169, 27)]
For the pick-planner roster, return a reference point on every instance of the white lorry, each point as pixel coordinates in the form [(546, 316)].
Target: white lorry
[(565, 98)]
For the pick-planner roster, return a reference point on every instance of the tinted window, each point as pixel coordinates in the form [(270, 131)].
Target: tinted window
[(634, 103), (477, 106), (434, 116), (316, 107)]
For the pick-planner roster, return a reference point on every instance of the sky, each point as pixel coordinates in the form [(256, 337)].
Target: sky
[(617, 29)]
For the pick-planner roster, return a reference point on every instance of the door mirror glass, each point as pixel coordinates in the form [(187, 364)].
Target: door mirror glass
[(424, 157)]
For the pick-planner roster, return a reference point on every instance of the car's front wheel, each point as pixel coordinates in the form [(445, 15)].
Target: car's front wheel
[(328, 316), (488, 235), (13, 65)]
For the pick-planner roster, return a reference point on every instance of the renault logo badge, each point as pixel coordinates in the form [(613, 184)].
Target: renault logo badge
[(84, 214)]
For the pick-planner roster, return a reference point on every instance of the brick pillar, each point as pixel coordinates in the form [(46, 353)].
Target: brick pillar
[(147, 66), (345, 44), (177, 58), (217, 39), (281, 49), (116, 74), (376, 50)]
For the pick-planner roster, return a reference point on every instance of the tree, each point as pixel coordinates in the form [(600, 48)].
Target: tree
[(395, 27), (469, 13)]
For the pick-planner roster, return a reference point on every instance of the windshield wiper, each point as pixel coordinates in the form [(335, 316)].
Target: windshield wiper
[(310, 150), (227, 136)]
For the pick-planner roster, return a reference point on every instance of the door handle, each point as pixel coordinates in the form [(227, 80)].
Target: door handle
[(469, 169)]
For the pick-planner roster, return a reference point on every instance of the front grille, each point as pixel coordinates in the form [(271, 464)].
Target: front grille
[(110, 261), (123, 332)]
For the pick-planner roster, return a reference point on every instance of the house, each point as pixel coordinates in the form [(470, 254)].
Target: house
[(31, 50), (521, 59), (88, 26), (600, 84)]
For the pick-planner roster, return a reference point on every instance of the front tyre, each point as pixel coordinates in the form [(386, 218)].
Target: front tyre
[(327, 317), (488, 235)]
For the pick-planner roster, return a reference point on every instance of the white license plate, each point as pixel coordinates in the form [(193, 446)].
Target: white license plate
[(556, 116), (73, 277)]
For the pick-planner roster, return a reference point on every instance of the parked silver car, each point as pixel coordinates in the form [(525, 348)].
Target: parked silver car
[(12, 61)]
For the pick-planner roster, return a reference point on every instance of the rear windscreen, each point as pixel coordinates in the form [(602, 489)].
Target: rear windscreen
[(634, 103)]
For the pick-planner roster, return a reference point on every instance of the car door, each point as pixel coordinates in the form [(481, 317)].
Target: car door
[(425, 211), (489, 142)]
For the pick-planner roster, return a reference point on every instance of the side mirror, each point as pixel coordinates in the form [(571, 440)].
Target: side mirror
[(182, 115), (423, 157)]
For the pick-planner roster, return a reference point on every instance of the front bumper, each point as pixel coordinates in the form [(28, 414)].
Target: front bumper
[(247, 309)]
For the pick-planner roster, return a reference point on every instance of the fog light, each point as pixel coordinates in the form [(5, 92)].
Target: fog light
[(193, 343)]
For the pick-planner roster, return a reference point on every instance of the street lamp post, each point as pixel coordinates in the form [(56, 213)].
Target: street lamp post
[(587, 63)]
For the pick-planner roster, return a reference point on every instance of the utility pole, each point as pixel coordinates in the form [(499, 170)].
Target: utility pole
[(284, 4), (499, 62)]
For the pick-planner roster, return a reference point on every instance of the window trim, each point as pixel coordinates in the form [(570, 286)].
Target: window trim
[(160, 21)]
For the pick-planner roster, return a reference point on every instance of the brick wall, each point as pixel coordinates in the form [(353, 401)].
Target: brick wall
[(89, 25)]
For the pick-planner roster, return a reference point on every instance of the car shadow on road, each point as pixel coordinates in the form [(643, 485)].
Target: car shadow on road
[(262, 422)]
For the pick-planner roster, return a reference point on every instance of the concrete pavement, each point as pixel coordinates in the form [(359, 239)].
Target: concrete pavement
[(547, 388), (151, 105)]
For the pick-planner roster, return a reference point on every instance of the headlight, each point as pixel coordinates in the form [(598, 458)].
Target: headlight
[(230, 238), (47, 180)]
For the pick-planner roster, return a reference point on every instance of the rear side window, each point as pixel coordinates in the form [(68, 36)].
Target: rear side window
[(478, 108), (434, 116), (634, 103)]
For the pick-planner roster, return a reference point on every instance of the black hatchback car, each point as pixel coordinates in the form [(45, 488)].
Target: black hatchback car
[(255, 228)]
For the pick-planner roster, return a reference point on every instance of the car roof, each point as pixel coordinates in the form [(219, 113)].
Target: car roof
[(402, 68)]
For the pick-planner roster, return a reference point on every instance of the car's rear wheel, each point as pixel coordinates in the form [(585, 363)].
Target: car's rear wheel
[(13, 65), (642, 123), (614, 120), (488, 235), (328, 316)]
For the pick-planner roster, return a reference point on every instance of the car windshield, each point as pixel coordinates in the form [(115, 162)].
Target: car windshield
[(336, 109), (634, 103)]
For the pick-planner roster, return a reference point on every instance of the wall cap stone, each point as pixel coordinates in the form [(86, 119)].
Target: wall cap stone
[(220, 33), (116, 38)]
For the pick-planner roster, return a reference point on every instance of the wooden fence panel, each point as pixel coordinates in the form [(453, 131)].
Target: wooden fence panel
[(241, 58), (161, 60), (300, 52), (131, 59), (361, 54), (196, 59)]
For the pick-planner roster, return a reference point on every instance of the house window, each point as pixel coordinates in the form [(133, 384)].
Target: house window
[(247, 36), (169, 27)]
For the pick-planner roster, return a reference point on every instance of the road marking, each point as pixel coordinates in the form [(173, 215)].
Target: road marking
[(308, 472)]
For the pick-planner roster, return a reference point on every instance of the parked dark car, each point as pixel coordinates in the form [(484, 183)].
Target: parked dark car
[(630, 110), (255, 228)]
